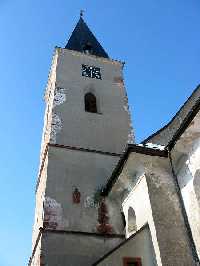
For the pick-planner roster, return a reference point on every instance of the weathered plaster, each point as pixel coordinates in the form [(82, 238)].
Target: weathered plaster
[(186, 160), (193, 211), (59, 96), (67, 124), (168, 218), (64, 175), (40, 196), (53, 214), (131, 136), (155, 201), (111, 116), (89, 202), (74, 249), (138, 246), (193, 161), (56, 127), (138, 194)]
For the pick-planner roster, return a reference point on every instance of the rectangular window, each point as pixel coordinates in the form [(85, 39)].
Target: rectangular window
[(132, 262)]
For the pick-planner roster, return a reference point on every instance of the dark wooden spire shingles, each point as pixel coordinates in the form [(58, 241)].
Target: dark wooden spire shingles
[(82, 39)]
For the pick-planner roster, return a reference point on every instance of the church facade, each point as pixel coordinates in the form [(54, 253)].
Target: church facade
[(101, 199)]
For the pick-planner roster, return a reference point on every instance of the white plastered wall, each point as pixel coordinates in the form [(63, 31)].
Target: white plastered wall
[(186, 157), (138, 199), (146, 184)]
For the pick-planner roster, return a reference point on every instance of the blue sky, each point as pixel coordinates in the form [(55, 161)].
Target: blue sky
[(158, 40)]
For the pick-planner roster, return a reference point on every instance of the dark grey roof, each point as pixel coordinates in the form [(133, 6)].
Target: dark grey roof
[(81, 37), (169, 133)]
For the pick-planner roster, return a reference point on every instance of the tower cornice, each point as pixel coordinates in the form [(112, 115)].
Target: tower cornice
[(101, 59)]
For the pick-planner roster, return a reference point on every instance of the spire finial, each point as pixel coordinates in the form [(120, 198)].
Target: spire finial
[(81, 13), (82, 38)]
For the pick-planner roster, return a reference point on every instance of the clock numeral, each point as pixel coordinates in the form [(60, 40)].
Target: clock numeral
[(91, 72)]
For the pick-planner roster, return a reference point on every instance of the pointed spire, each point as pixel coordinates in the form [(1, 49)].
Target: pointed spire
[(83, 40)]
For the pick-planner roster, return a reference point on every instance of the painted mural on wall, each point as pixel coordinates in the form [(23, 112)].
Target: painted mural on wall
[(76, 196), (53, 214), (103, 227)]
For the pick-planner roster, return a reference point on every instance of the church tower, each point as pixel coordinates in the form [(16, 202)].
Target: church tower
[(86, 129)]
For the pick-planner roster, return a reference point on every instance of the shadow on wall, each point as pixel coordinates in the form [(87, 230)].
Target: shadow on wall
[(196, 183)]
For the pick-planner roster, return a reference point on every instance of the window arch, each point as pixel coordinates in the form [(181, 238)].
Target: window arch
[(90, 103), (131, 220)]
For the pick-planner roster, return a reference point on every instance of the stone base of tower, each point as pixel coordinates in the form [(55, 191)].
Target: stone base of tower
[(63, 248)]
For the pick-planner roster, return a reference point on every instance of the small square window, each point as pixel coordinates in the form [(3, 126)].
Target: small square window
[(132, 262)]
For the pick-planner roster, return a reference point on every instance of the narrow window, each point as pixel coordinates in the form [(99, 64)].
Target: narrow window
[(90, 103), (123, 219), (131, 220), (132, 262)]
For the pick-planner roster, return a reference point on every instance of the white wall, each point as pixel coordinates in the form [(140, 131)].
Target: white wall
[(138, 246), (138, 199)]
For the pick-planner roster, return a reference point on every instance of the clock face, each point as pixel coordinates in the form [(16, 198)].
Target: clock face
[(91, 72)]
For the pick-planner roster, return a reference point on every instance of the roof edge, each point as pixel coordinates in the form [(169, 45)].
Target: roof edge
[(121, 244), (109, 59), (186, 122), (118, 169), (172, 119)]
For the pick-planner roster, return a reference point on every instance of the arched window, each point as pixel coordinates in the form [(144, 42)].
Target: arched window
[(123, 219), (131, 220), (90, 103)]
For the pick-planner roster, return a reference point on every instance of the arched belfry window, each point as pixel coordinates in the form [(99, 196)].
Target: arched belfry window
[(90, 103), (131, 220)]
